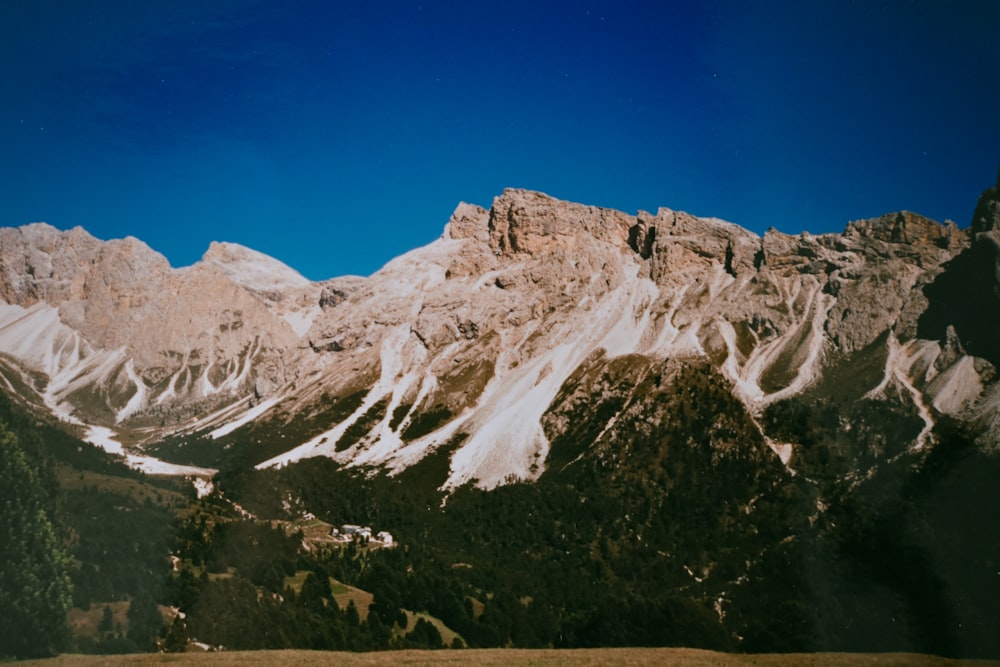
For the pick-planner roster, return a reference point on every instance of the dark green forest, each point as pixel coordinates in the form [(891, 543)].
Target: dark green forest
[(34, 581), (678, 528)]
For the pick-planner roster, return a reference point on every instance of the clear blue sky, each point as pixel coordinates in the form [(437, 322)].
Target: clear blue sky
[(336, 135)]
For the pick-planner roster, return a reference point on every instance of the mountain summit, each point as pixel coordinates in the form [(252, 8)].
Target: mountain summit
[(487, 341)]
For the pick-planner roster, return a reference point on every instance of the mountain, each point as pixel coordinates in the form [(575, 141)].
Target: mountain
[(478, 333), (585, 427)]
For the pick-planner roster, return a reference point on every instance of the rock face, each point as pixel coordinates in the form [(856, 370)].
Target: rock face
[(467, 343), (119, 336)]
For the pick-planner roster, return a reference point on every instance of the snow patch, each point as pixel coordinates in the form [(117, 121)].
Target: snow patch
[(508, 440), (419, 270), (782, 449), (746, 378), (154, 466), (6, 382), (96, 369), (104, 438), (229, 411), (506, 437), (301, 320), (247, 417), (203, 487), (37, 338), (898, 363), (138, 399), (392, 352)]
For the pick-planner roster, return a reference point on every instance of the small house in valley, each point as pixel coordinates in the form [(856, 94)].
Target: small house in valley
[(350, 532)]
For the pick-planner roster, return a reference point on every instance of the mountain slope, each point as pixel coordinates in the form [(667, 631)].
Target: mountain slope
[(585, 427), (485, 326), (475, 335)]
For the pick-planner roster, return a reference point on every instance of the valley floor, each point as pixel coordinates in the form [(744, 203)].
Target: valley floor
[(488, 657)]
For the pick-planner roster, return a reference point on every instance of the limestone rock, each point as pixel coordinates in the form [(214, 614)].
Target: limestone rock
[(531, 222), (180, 335), (338, 290), (472, 337)]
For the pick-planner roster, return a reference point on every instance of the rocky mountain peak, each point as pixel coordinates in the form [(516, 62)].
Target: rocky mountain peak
[(527, 222), (678, 242), (252, 269), (469, 221), (110, 332), (473, 336), (906, 228), (42, 263)]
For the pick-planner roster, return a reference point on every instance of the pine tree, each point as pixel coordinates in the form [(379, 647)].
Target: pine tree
[(144, 621), (314, 593), (107, 620), (380, 632), (34, 583), (177, 636)]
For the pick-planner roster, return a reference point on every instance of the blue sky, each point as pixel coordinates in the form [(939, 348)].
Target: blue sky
[(337, 135)]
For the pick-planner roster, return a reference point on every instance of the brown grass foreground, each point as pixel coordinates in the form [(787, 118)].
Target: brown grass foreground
[(488, 657)]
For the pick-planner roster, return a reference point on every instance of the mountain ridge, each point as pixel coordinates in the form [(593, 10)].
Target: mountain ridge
[(582, 427), (474, 334)]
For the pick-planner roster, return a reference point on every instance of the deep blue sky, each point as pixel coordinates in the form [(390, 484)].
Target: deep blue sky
[(337, 135)]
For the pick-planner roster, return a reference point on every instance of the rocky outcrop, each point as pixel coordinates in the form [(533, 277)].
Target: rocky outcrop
[(177, 336), (523, 222), (337, 290), (679, 243)]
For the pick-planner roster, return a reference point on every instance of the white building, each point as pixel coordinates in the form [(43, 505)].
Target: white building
[(350, 532), (350, 529)]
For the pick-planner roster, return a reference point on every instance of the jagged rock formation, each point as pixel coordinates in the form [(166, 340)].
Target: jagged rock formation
[(117, 336), (473, 341)]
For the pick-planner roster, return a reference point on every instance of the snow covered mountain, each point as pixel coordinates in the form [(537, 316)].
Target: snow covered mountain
[(496, 340)]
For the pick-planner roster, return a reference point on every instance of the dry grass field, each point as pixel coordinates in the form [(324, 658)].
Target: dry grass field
[(634, 657)]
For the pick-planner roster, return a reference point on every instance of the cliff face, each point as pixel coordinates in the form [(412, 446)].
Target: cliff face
[(479, 341), (117, 334)]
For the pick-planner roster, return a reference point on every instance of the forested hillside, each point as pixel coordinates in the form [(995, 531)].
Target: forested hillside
[(678, 527)]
